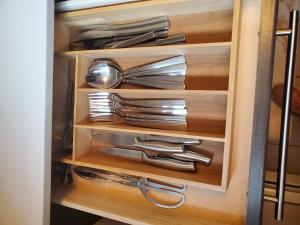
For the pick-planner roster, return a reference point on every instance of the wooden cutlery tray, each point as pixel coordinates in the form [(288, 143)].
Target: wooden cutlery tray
[(211, 28)]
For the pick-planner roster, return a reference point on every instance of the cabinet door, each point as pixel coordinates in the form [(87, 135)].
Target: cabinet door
[(25, 111)]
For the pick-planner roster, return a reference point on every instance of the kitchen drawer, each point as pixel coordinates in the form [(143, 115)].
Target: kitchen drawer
[(211, 29)]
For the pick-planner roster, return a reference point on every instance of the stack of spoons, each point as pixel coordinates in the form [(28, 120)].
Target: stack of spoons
[(155, 113), (163, 74)]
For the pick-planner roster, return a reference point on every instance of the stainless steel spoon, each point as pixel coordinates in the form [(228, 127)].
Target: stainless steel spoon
[(105, 73)]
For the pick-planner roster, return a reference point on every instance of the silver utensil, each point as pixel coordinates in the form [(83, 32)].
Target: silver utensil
[(107, 74), (176, 77), (108, 42), (134, 142), (96, 33), (113, 118), (169, 139), (143, 184), (139, 102), (160, 84), (174, 140), (145, 40), (125, 26), (101, 105), (99, 111), (140, 116), (154, 159), (132, 41), (191, 156), (103, 109), (177, 39), (158, 64), (170, 70), (104, 102)]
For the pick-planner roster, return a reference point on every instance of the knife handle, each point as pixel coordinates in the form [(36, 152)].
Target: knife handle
[(174, 140), (159, 146), (169, 163), (192, 157)]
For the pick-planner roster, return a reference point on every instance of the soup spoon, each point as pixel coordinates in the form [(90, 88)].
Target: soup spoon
[(106, 73)]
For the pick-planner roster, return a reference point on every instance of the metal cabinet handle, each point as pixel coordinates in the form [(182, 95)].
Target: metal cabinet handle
[(285, 115)]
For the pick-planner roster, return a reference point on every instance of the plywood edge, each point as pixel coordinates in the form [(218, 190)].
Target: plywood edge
[(202, 136), (153, 91), (152, 49), (233, 71), (66, 196)]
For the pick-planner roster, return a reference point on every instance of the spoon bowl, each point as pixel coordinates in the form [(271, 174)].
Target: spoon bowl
[(104, 74)]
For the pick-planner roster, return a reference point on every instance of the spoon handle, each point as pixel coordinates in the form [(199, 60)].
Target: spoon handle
[(157, 84), (167, 70), (173, 77), (158, 64)]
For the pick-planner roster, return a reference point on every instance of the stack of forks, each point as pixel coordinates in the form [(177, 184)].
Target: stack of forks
[(155, 113)]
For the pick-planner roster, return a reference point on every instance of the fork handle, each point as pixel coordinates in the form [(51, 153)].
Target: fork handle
[(169, 163)]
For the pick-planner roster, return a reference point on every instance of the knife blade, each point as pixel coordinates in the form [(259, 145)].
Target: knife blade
[(133, 141), (154, 137), (163, 162)]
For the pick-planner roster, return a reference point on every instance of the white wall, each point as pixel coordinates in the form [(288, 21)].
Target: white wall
[(25, 110)]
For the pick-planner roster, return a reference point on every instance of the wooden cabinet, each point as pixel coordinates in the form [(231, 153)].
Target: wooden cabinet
[(211, 52)]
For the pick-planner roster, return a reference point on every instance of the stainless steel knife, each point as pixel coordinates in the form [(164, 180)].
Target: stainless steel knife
[(138, 141), (155, 143), (153, 137), (93, 34), (155, 160)]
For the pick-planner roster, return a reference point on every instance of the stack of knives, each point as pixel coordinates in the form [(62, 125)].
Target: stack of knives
[(161, 151), (149, 32)]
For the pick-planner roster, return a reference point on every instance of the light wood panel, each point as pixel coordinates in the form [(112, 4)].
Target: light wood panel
[(167, 50), (61, 37), (231, 97), (149, 92), (143, 130), (107, 205)]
